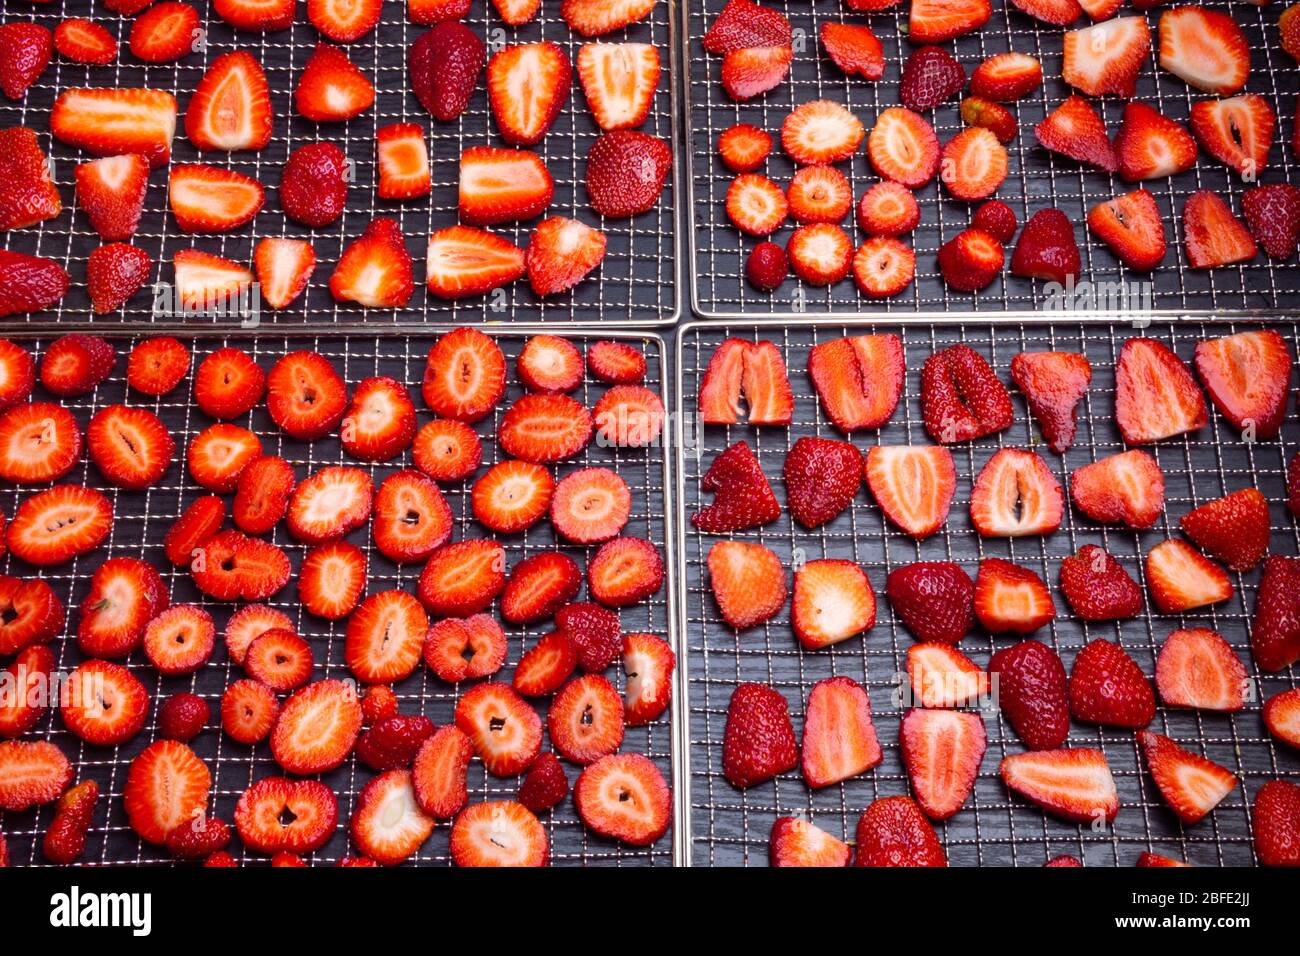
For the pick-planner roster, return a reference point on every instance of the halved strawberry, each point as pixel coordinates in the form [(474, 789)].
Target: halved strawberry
[(1234, 528), (1237, 131), (283, 268), (540, 585), (832, 602), (933, 599), (753, 71), (218, 455), (499, 185), (200, 521), (1155, 395), (1197, 668), (28, 674), (375, 269), (1016, 494), (56, 525), (545, 666), (961, 396), (104, 704), (114, 273), (747, 581), (1047, 248), (228, 383), (329, 503), (388, 825), (819, 132), (344, 20), (32, 773), (305, 395), (1180, 578), (447, 450), (438, 772), (942, 750), (1053, 383), (1130, 225), (1212, 235), (585, 720), (854, 49), (113, 121), (528, 85), (280, 659), (29, 195), (180, 639), (75, 364), (561, 253), (942, 676), (624, 796), (1273, 216), (1128, 487), (505, 731), (1152, 146), (839, 739), (756, 205), (436, 11), (17, 374), (316, 727), (166, 787), (514, 12), (590, 505), (231, 106), (248, 711), (648, 663), (331, 88), (125, 595), (462, 578), (1011, 598), (626, 172), (1005, 77), (332, 579), (38, 442), (30, 283), (549, 363), (1275, 632), (895, 832), (208, 283), (1074, 783), (464, 261), (1190, 784), (858, 379), (464, 649), (85, 41), (1205, 48), (1282, 716), (934, 21), (164, 33), (1106, 57), (742, 24), (1075, 130), (1056, 12), (277, 815), (595, 17), (30, 613), (232, 566), (498, 833), (625, 571), (797, 843), (131, 447), (402, 160), (822, 477), (1247, 376), (619, 81)]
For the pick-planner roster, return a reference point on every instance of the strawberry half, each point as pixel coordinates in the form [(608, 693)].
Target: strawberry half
[(125, 595), (28, 194), (942, 750), (797, 843), (1190, 784), (443, 66), (32, 773), (1155, 395), (283, 267), (464, 261), (1152, 146), (758, 741), (1075, 130), (231, 106), (1053, 383), (942, 676), (1033, 693), (1097, 586), (832, 602), (743, 498), (961, 396), (619, 81), (1204, 48), (1131, 226), (166, 787), (839, 740), (1181, 578), (1016, 494), (1282, 716), (934, 599), (1197, 668), (110, 122), (859, 379), (822, 477), (1074, 783), (344, 20), (331, 88), (1237, 131), (595, 17), (1128, 487), (1247, 376), (1234, 528), (934, 21), (1212, 235), (528, 85), (854, 49), (561, 253), (1107, 687), (626, 170), (1011, 598), (913, 486), (1107, 57), (895, 832), (30, 284), (748, 582), (402, 159), (1006, 77), (375, 269)]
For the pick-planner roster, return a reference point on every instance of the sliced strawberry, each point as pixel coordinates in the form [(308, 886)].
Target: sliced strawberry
[(28, 674), (1059, 13), (628, 416), (854, 49), (753, 71), (756, 205), (1016, 494), (58, 524), (1107, 687), (199, 522), (1130, 225), (561, 253), (412, 519), (545, 666), (619, 81), (1237, 131), (464, 261), (832, 602), (1047, 249), (402, 160), (1282, 716), (747, 581), (84, 41), (248, 711), (514, 12), (283, 268), (743, 498), (314, 185), (258, 15), (305, 396), (465, 375), (942, 750), (463, 578), (545, 428), (934, 21), (858, 379), (1205, 48), (65, 840), (447, 450), (1075, 130), (1190, 784), (528, 85), (125, 595), (942, 676), (1011, 598), (375, 269), (277, 815), (1155, 395), (1006, 77), (38, 442), (594, 632), (280, 659), (820, 253), (819, 132), (994, 117), (1106, 58), (32, 773), (931, 75), (822, 477), (617, 363), (1128, 488), (233, 566), (207, 283), (1277, 824), (743, 24), (590, 505), (540, 585), (250, 622), (438, 772), (512, 495), (505, 730), (180, 639), (1247, 376), (1197, 668), (625, 571), (458, 650), (379, 424), (797, 843), (624, 796), (1074, 783), (595, 17), (75, 364), (933, 599), (1181, 578), (131, 447), (549, 363), (1053, 383), (157, 365), (114, 273), (166, 787), (110, 122), (626, 172), (1212, 235), (164, 33), (498, 833), (500, 185), (103, 703), (316, 727), (744, 147), (1097, 586), (585, 720), (1151, 146), (331, 88), (228, 383), (231, 107), (819, 194), (344, 20), (961, 396), (443, 67), (218, 455), (17, 374), (387, 824), (839, 740), (332, 579), (648, 662), (385, 637), (27, 191), (436, 11), (1234, 528), (888, 209), (895, 832), (720, 388)]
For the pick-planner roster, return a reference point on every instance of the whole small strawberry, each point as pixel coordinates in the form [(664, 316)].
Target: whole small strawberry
[(595, 633), (626, 170), (314, 185), (758, 742), (25, 50), (198, 838), (931, 75), (1277, 824), (115, 272), (392, 743), (767, 266), (1032, 693), (821, 477), (182, 717), (443, 67), (1047, 248), (935, 599), (997, 219), (1107, 687), (1273, 217), (1097, 586), (1275, 634), (545, 784)]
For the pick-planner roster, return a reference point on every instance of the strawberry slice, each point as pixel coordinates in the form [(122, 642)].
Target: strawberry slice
[(1152, 146), (30, 195), (379, 424), (38, 442), (1047, 249), (942, 676), (1056, 12), (500, 185), (539, 586), (1053, 383), (1190, 784), (200, 521), (759, 741), (447, 450), (499, 833), (1213, 236), (131, 447), (1128, 488), (125, 595), (1075, 130), (218, 455), (375, 269), (561, 253), (544, 428), (344, 20), (839, 740), (505, 731), (648, 662), (819, 194), (858, 379), (549, 363), (619, 81), (832, 602), (585, 720), (1016, 495), (628, 416), (595, 17), (30, 283), (75, 364), (164, 33), (329, 503), (1006, 77), (262, 494), (1197, 668), (114, 273), (58, 524), (545, 666), (283, 267), (934, 21), (465, 375), (209, 284), (888, 209), (1282, 716), (1131, 226), (1247, 376), (1011, 598), (1107, 57), (1097, 586), (332, 579), (84, 41), (942, 750), (256, 15), (590, 505), (1275, 633), (754, 71), (231, 106), (748, 582), (167, 786), (462, 578), (1181, 578), (624, 571), (621, 363), (1237, 131), (402, 159), (238, 567), (436, 11), (514, 12), (756, 205), (1234, 528), (743, 24), (961, 396), (277, 815), (1074, 783), (1155, 395), (720, 388), (331, 88), (743, 496), (32, 773), (248, 711), (28, 673), (464, 261), (528, 85), (305, 395), (933, 599), (228, 383), (412, 519), (895, 832), (110, 122), (387, 824), (17, 375), (765, 384), (973, 164), (103, 703), (512, 495), (820, 132), (179, 640), (854, 49), (157, 365), (1204, 48), (316, 728), (797, 843), (438, 772)]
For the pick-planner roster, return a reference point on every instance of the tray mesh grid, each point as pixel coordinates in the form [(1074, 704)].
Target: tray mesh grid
[(1036, 179), (635, 285), (731, 827), (142, 518)]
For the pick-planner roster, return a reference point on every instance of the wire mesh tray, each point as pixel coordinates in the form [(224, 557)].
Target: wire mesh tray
[(142, 518), (636, 284), (731, 827), (1036, 179)]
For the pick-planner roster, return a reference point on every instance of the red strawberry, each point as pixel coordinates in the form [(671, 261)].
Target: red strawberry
[(1152, 146), (617, 363), (331, 88), (219, 454), (1155, 395), (1032, 693), (505, 730), (858, 379), (1190, 784), (443, 66), (596, 17), (393, 742), (113, 121), (561, 253), (933, 21), (228, 383), (545, 784), (628, 416), (500, 185), (930, 76), (913, 486), (883, 267), (164, 33), (753, 71), (934, 599), (1130, 225), (743, 497), (743, 24), (200, 838), (233, 566), (387, 824), (820, 132), (973, 163), (277, 815), (942, 676), (65, 840), (199, 522), (131, 447), (796, 842), (942, 750), (411, 517), (624, 796), (209, 284), (546, 665), (1016, 494), (590, 505), (125, 595), (32, 773), (903, 147), (103, 703), (58, 524), (1237, 131), (114, 273), (545, 428), (832, 602), (447, 450), (1106, 57), (183, 716), (839, 740), (1198, 668), (27, 191), (464, 261), (1275, 633), (1247, 376), (32, 614), (1282, 716), (17, 374), (585, 720), (540, 585), (157, 365), (465, 375), (1128, 487), (402, 161), (1107, 687), (759, 741), (512, 495), (385, 638), (748, 582), (1234, 528), (894, 831), (1276, 824), (1075, 130), (821, 479), (30, 284), (961, 396), (179, 640), (38, 442), (971, 260), (462, 578), (436, 11), (619, 81), (280, 659), (314, 184), (743, 147), (316, 728), (1205, 48), (528, 85), (375, 269), (1005, 77), (756, 205), (1053, 383), (593, 631), (283, 267), (624, 571), (248, 711), (231, 106), (166, 787), (888, 209), (626, 170), (344, 20), (305, 396), (498, 833), (1074, 783), (1181, 578), (1046, 248), (994, 117), (1212, 235), (25, 50), (438, 772), (379, 424), (458, 650), (30, 672), (1097, 586), (332, 579), (84, 41), (258, 15), (648, 662), (1273, 216), (1056, 12), (856, 50), (1011, 598)]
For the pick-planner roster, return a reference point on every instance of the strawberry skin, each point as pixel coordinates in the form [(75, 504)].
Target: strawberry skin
[(934, 599), (1276, 821), (821, 479), (1107, 687), (759, 741), (1275, 633), (961, 397), (1074, 783), (1032, 693), (797, 843), (895, 832)]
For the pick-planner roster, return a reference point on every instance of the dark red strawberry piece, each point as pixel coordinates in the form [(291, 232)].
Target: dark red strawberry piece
[(626, 170), (743, 497), (934, 599), (1097, 586), (444, 66), (1107, 687), (822, 476), (1032, 693), (931, 75), (961, 396), (759, 741)]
